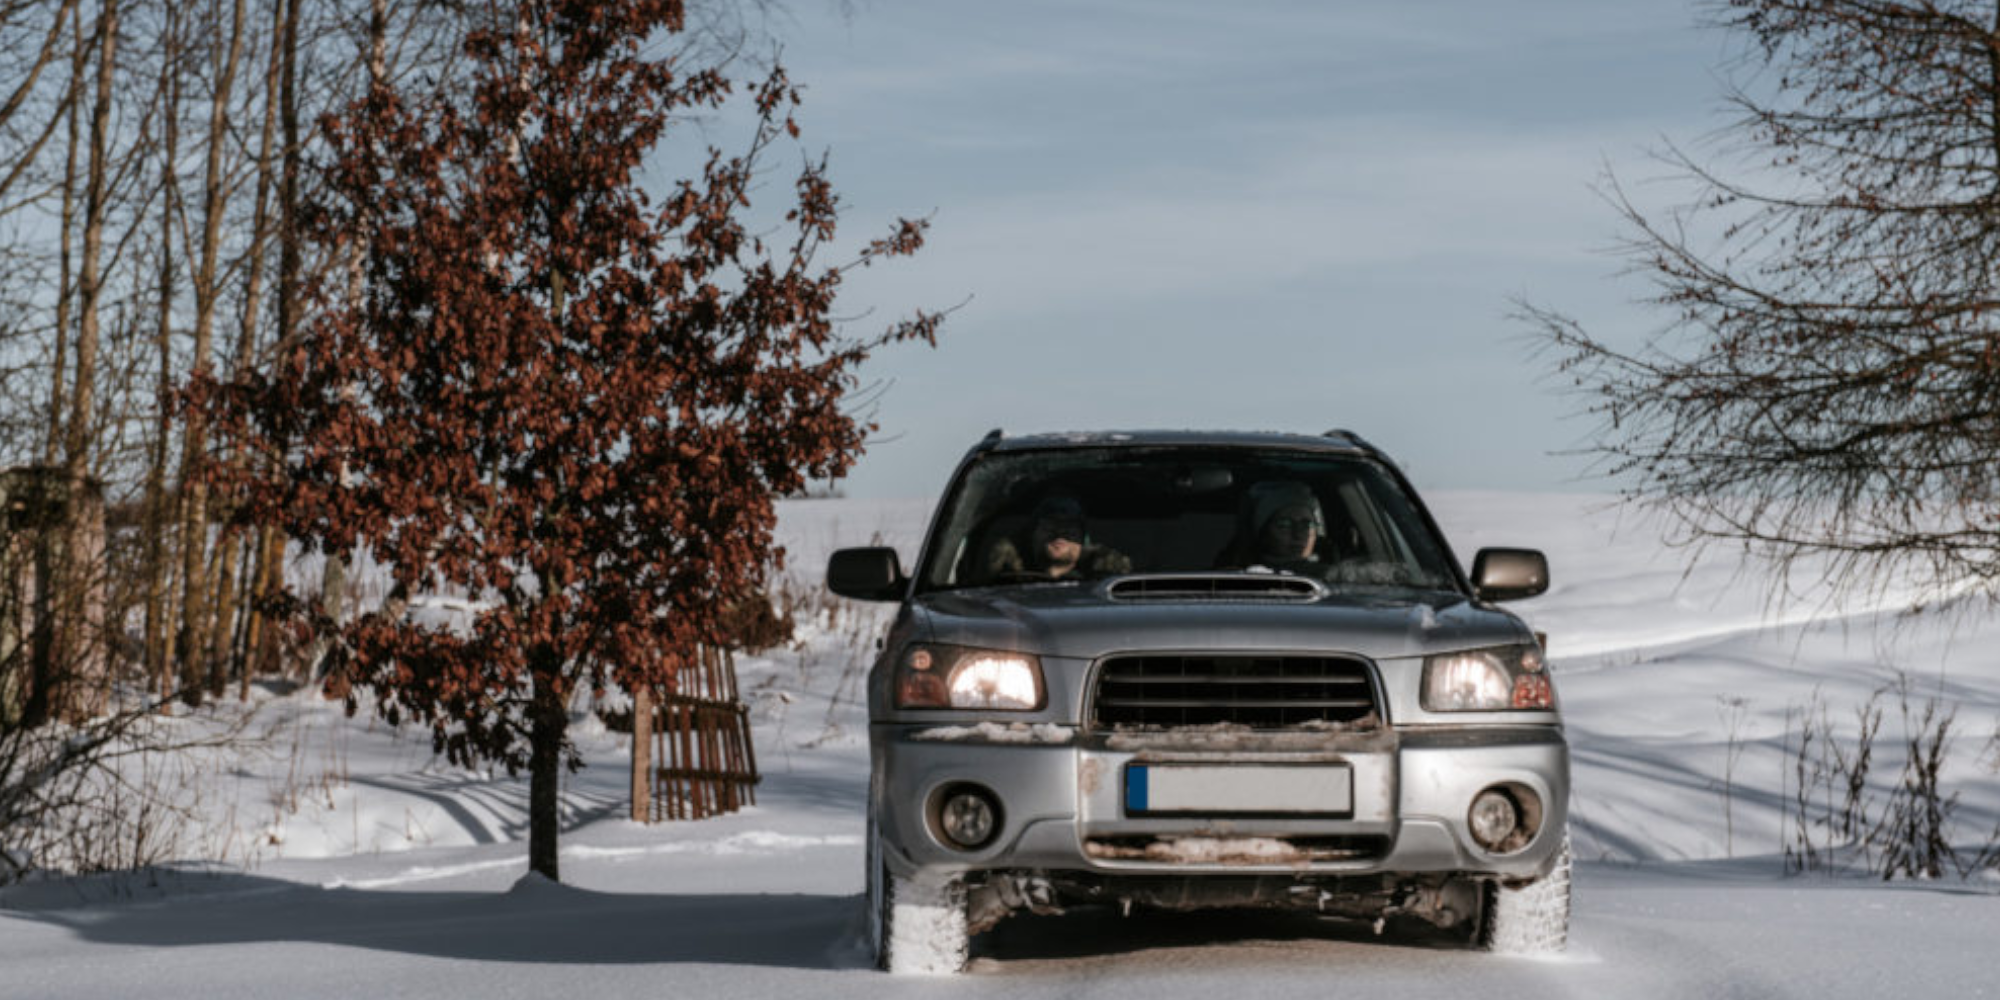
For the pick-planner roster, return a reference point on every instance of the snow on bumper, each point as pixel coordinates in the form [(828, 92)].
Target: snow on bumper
[(1064, 802)]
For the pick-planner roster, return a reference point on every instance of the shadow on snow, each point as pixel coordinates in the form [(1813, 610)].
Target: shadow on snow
[(536, 921)]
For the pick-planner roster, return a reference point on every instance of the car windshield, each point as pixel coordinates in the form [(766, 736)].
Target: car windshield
[(1072, 514)]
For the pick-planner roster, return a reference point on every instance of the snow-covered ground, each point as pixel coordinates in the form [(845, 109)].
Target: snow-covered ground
[(344, 861)]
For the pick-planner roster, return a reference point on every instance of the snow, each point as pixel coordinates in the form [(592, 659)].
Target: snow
[(993, 732), (1318, 734), (342, 859), (1209, 851), (928, 934)]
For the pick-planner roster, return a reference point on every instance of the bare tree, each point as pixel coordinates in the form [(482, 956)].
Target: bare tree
[(196, 581), (69, 112), (90, 280), (31, 38), (159, 648), (1827, 382)]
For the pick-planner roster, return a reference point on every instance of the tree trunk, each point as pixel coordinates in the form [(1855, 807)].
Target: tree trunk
[(255, 658), (549, 719), (66, 281), (262, 642), (289, 263), (291, 254), (642, 754), (160, 514), (232, 582), (215, 641), (244, 655), (196, 581), (83, 400), (64, 582), (333, 580)]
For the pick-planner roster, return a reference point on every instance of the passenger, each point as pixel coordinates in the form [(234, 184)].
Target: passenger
[(1280, 530), (1058, 547)]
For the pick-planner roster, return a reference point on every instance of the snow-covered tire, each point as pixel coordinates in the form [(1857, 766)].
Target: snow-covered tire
[(916, 925), (878, 951), (923, 926), (1531, 919)]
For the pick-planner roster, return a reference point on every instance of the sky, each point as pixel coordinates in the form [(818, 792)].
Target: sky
[(1266, 215)]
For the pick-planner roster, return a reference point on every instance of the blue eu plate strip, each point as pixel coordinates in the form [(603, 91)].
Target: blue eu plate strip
[(1135, 789)]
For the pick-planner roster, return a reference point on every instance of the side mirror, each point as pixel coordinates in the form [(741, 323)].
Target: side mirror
[(1509, 574), (871, 574)]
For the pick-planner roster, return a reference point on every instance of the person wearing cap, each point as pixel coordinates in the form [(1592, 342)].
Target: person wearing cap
[(1058, 547), (1281, 528)]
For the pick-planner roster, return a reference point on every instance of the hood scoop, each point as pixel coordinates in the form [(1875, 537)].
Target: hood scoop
[(1215, 587)]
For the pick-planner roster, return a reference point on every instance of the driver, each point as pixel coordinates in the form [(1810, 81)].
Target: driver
[(1058, 547), (1283, 526)]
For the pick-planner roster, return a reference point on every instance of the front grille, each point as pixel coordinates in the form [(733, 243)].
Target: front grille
[(1261, 692)]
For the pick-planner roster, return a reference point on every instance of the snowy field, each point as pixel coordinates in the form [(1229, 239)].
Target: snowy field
[(342, 860)]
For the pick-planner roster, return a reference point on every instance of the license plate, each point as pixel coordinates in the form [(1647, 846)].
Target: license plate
[(1239, 789)]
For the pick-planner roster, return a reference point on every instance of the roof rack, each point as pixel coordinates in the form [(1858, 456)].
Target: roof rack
[(987, 443), (1355, 439)]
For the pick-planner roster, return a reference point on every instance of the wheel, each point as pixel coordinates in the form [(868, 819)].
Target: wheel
[(1531, 919), (877, 893), (916, 925)]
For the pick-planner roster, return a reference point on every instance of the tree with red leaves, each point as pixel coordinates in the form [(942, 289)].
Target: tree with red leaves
[(570, 401)]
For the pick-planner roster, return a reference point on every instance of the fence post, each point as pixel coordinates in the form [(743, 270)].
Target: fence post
[(642, 754)]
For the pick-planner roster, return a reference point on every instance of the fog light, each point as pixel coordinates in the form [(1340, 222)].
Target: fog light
[(1494, 818), (968, 819)]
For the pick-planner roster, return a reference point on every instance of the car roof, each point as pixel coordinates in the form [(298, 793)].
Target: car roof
[(1337, 441)]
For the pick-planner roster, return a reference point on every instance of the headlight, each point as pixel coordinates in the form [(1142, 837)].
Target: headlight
[(1488, 680), (930, 676)]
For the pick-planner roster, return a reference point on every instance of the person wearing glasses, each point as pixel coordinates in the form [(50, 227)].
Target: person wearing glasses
[(1058, 547), (1280, 530)]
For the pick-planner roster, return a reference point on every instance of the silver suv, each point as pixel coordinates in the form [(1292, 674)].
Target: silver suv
[(1193, 670)]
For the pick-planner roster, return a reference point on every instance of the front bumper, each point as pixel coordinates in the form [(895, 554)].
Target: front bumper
[(1063, 807)]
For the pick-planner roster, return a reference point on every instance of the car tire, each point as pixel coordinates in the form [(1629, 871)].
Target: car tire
[(916, 926), (876, 898), (1530, 919)]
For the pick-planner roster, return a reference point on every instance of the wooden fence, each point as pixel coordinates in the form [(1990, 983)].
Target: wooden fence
[(700, 732)]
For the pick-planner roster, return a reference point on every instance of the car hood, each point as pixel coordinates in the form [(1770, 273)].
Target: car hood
[(1082, 621)]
